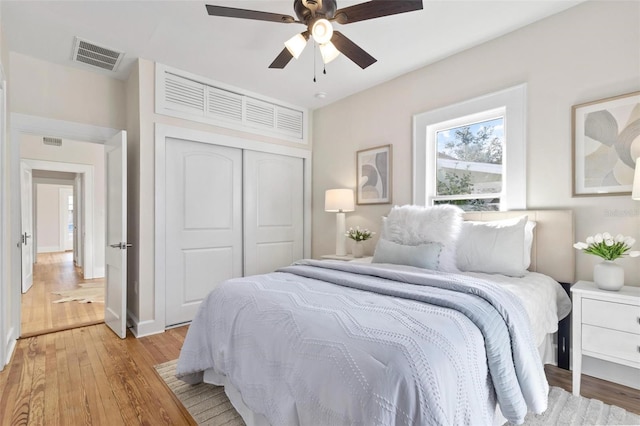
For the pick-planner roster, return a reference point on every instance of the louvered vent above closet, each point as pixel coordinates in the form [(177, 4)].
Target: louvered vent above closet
[(181, 94)]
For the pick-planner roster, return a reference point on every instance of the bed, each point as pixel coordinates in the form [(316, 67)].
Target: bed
[(449, 323)]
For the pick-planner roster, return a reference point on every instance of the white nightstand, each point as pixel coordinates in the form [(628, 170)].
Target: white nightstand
[(605, 325)]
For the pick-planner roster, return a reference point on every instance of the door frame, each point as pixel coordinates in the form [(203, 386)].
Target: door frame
[(29, 124), (164, 131), (87, 173)]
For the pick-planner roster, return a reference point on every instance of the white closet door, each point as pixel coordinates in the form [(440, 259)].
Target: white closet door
[(273, 211), (204, 223)]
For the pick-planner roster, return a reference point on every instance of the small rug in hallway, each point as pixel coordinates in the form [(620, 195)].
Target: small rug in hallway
[(85, 293), (209, 405)]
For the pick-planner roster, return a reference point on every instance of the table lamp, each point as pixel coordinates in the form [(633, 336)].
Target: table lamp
[(339, 201)]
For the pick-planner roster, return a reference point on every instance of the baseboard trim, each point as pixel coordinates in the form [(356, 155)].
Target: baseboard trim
[(143, 328)]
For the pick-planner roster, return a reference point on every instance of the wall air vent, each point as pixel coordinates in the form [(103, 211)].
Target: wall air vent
[(98, 56), (192, 97), (52, 141)]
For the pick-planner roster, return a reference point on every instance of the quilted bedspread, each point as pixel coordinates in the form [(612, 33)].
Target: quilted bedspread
[(333, 343)]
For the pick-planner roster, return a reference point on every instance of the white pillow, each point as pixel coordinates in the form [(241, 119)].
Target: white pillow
[(528, 241), (415, 225), (425, 256), (496, 247)]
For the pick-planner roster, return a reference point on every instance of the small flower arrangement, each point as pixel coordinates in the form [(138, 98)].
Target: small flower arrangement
[(608, 247), (359, 234)]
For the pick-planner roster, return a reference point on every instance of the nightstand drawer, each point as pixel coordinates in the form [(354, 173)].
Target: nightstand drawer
[(616, 316), (613, 343)]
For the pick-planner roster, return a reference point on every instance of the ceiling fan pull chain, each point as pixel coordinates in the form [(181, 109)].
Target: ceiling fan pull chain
[(324, 69), (314, 62)]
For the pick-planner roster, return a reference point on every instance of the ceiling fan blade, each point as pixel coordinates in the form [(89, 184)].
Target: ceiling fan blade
[(232, 12), (282, 59), (375, 9), (352, 50)]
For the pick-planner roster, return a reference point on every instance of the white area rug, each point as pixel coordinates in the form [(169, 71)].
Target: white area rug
[(86, 293), (567, 409), (209, 405)]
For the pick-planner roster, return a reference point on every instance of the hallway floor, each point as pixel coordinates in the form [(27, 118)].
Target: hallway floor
[(54, 272)]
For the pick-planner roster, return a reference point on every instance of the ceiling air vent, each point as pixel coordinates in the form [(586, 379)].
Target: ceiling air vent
[(52, 141), (102, 57)]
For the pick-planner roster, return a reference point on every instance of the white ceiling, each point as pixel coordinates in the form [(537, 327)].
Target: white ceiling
[(238, 52)]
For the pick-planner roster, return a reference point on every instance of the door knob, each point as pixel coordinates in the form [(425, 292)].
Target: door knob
[(121, 245)]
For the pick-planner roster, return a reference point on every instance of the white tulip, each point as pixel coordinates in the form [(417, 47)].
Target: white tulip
[(634, 253), (619, 238), (580, 245), (629, 241), (599, 238), (606, 236), (608, 242), (590, 240)]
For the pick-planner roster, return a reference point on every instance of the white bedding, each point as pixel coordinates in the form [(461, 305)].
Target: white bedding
[(544, 299), (309, 372)]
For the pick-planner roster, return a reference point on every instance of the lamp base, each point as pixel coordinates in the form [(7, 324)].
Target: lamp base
[(341, 249)]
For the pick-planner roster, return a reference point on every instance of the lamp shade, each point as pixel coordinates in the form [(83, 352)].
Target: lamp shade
[(338, 200), (328, 52), (322, 31), (295, 45), (635, 192)]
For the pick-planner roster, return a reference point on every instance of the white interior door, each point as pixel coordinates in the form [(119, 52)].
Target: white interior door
[(203, 223), (26, 197), (115, 308), (273, 211)]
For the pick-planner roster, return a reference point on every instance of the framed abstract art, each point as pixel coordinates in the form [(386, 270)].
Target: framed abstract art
[(606, 144), (373, 166)]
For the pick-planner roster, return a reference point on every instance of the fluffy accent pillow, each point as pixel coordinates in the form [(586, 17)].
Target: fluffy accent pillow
[(415, 225), (495, 247), (425, 256)]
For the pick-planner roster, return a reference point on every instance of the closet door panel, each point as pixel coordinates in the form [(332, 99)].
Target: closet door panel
[(273, 211), (204, 223)]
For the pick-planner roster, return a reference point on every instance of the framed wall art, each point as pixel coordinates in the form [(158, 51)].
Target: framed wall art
[(373, 166), (606, 143)]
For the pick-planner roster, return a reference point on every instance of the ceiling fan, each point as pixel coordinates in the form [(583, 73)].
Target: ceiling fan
[(317, 15)]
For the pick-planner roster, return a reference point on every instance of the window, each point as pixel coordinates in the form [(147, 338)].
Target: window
[(472, 154)]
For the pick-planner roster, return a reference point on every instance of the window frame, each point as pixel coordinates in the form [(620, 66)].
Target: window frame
[(513, 102)]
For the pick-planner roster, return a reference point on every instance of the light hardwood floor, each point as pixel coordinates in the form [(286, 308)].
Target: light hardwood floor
[(55, 272), (88, 376)]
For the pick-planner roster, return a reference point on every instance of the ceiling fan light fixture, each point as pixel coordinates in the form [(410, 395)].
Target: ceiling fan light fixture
[(296, 44), (322, 31), (329, 52)]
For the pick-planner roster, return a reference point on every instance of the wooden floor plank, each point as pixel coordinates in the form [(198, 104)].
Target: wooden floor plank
[(51, 412), (36, 403)]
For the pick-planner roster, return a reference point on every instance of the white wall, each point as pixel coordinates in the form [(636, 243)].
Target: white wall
[(588, 52), (48, 217), (77, 152), (45, 89)]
